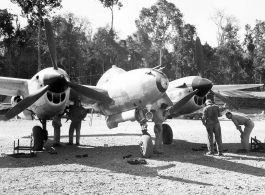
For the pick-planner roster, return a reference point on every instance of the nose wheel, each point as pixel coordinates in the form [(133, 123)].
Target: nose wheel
[(146, 146), (37, 138), (40, 136)]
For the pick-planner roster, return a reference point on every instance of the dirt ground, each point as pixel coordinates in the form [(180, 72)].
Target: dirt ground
[(102, 170)]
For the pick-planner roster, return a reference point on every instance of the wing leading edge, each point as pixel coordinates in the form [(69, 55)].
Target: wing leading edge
[(13, 86), (218, 88)]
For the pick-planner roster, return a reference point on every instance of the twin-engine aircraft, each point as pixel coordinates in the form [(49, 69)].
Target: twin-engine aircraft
[(50, 92), (119, 95)]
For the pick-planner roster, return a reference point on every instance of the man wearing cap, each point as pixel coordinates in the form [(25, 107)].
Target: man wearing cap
[(238, 120), (210, 119)]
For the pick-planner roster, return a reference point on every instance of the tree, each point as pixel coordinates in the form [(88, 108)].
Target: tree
[(107, 50), (162, 22), (184, 52), (110, 4), (222, 20), (259, 51), (7, 33), (140, 43), (35, 10), (72, 39), (229, 56), (248, 56)]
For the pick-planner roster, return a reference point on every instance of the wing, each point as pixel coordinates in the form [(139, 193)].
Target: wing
[(13, 86), (5, 106), (85, 100), (217, 88)]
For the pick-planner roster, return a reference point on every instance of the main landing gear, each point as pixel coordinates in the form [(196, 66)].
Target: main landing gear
[(146, 144), (40, 136)]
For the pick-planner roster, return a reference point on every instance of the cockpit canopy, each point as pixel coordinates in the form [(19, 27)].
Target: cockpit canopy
[(111, 73)]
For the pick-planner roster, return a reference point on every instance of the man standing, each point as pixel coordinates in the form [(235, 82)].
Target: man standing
[(76, 114), (75, 126), (56, 123), (249, 125), (210, 119), (159, 117)]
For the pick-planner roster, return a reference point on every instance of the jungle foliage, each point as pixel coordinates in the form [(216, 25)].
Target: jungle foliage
[(162, 37)]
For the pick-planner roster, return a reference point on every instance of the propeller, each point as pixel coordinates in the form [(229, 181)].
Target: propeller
[(90, 93), (55, 81), (200, 66), (51, 43), (199, 57), (25, 103), (182, 102)]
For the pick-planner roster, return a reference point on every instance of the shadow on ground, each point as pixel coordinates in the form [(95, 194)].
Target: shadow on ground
[(111, 158)]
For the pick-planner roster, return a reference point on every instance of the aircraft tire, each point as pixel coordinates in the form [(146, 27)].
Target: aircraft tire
[(146, 146), (37, 138), (167, 134)]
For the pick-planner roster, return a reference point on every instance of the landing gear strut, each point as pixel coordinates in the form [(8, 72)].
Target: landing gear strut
[(40, 136)]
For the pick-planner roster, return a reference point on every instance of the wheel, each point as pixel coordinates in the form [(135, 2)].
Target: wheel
[(146, 146), (167, 134), (37, 138)]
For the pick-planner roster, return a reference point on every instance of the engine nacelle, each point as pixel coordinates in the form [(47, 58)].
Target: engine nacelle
[(15, 100)]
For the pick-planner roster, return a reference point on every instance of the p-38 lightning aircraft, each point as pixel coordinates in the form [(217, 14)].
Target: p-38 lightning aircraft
[(118, 96)]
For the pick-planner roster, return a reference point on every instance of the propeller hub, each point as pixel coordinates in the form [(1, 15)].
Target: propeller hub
[(203, 85), (56, 81)]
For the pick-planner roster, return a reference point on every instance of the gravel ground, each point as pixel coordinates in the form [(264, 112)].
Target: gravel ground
[(180, 170)]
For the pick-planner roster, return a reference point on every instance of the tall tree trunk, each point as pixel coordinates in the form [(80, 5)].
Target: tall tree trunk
[(160, 59), (112, 16), (39, 43), (9, 61)]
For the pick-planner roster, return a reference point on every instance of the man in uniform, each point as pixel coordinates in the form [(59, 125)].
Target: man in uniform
[(249, 125), (210, 119), (56, 123), (76, 114), (159, 117), (75, 126)]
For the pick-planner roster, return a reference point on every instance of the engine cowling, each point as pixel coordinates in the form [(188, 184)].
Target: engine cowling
[(15, 100)]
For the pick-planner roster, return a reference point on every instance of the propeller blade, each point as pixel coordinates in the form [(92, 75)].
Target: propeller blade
[(90, 93), (51, 43), (225, 100), (25, 103), (182, 102), (199, 57)]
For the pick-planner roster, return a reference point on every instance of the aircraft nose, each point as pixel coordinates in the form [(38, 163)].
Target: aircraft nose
[(56, 81), (161, 82), (203, 85)]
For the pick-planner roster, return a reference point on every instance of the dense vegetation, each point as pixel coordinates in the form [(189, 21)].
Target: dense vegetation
[(86, 56)]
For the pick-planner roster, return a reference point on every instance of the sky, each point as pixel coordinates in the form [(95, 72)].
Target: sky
[(196, 12)]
